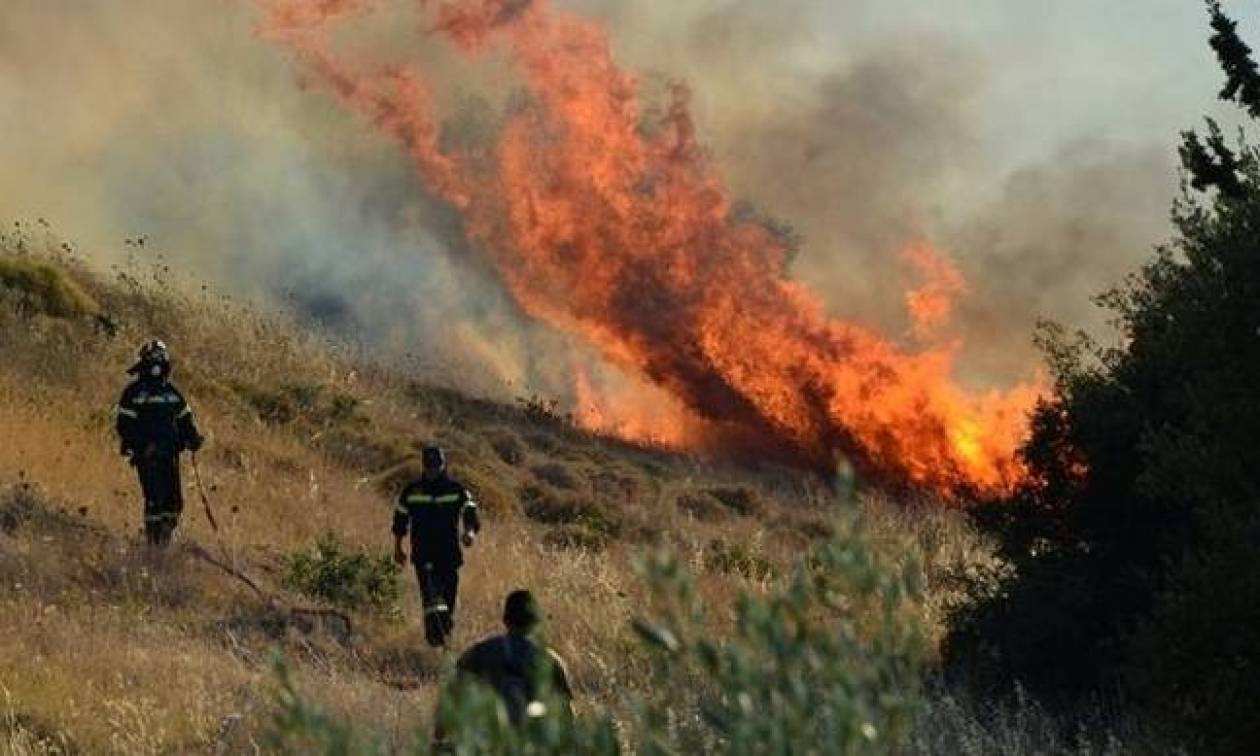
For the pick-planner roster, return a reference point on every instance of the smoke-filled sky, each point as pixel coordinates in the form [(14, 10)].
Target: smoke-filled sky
[(1033, 142)]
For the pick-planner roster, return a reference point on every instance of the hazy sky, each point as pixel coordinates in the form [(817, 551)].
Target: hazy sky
[(1034, 141), (1096, 67)]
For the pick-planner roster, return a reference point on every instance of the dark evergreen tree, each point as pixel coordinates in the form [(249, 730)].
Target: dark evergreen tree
[(1133, 550)]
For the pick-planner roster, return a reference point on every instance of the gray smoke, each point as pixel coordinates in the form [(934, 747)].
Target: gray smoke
[(863, 125)]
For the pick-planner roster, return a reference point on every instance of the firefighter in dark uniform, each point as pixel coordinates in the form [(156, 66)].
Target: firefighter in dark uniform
[(433, 508), (528, 677), (154, 425), (521, 670)]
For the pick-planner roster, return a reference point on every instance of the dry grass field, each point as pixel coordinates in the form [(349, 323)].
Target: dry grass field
[(108, 647)]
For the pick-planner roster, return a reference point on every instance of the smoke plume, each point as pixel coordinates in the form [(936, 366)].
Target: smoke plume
[(174, 119)]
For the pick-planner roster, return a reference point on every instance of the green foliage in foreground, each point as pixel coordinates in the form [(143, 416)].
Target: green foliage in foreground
[(344, 577), (829, 663)]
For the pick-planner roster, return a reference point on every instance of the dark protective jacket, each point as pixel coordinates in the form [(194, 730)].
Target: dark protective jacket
[(153, 414), (432, 510), (514, 666)]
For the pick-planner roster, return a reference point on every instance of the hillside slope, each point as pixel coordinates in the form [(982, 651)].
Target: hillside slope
[(108, 647)]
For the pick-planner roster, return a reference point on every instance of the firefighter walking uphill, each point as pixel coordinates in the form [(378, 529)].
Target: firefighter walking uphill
[(154, 425), (433, 508)]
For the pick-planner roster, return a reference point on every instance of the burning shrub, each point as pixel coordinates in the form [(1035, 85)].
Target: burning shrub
[(543, 411)]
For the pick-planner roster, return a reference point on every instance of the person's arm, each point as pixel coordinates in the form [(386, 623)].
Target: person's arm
[(126, 419), (402, 524), (560, 680), (186, 426), (471, 518)]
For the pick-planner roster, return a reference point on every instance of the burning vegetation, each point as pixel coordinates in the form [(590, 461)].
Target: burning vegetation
[(604, 218)]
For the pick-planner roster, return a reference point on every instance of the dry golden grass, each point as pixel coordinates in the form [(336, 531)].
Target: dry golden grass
[(108, 649)]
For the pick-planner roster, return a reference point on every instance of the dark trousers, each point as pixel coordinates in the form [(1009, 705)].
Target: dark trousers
[(163, 496), (439, 590)]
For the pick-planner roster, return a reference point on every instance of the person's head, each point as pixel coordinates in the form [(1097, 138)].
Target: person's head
[(434, 461), (520, 612), (153, 362)]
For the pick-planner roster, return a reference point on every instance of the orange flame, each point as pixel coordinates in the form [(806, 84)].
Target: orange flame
[(630, 414), (612, 225), (931, 304)]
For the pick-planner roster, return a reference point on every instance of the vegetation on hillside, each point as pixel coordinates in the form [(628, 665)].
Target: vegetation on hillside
[(305, 438), (108, 648)]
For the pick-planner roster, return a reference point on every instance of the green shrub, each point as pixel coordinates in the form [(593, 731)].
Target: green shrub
[(299, 401), (45, 288), (736, 559), (344, 577)]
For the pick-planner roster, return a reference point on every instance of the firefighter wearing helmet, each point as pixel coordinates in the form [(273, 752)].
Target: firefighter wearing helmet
[(433, 509), (154, 425)]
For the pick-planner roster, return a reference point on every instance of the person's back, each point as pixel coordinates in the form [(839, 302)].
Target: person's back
[(522, 672), (515, 666)]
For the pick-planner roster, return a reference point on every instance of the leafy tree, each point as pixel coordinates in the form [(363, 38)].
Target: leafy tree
[(1132, 548)]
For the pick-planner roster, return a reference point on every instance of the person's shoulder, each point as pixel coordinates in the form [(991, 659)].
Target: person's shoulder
[(454, 485), (481, 652), (132, 388), (556, 659)]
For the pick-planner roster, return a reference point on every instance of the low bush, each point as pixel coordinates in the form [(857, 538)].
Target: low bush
[(550, 507), (507, 446), (309, 402), (741, 500), (555, 474), (344, 577), (575, 537), (44, 288), (702, 506), (543, 411), (730, 558)]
